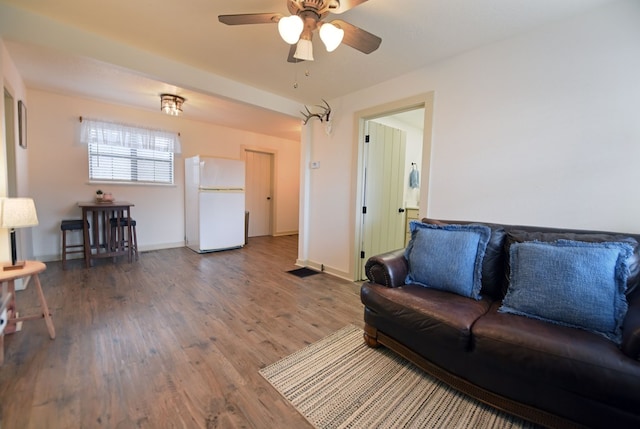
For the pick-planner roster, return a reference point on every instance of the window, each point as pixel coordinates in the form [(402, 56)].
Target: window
[(124, 153), (124, 164)]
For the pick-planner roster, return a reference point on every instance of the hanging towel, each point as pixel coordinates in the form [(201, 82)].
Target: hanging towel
[(414, 178)]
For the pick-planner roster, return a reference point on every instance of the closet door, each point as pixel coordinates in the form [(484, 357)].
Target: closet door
[(259, 192)]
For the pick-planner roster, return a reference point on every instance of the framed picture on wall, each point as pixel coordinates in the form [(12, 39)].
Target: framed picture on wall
[(22, 124)]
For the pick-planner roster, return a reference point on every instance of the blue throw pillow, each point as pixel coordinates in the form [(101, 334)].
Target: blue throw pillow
[(447, 257), (571, 283)]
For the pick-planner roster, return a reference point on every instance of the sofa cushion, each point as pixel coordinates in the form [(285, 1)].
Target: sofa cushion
[(447, 257), (572, 283), (443, 319), (541, 358)]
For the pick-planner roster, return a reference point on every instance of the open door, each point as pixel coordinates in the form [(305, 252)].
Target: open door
[(383, 217)]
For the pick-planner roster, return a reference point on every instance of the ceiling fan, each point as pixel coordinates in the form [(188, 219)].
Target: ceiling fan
[(306, 17)]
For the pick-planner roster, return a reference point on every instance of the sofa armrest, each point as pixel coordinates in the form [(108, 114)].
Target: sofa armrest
[(388, 269), (631, 328)]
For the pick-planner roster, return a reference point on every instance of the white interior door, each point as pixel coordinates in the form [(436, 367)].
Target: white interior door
[(383, 205), (259, 192)]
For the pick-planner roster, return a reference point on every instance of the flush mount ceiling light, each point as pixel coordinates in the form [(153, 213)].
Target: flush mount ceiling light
[(171, 104), (306, 17)]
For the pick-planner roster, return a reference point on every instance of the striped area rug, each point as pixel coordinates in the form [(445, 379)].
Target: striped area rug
[(339, 382)]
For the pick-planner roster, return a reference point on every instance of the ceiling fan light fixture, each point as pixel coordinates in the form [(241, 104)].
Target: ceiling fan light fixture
[(331, 36), (307, 16), (171, 104), (290, 28), (304, 50)]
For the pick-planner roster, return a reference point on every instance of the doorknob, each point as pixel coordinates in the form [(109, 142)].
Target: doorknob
[(400, 210)]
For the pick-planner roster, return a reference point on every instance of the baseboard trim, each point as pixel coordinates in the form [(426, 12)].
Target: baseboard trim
[(162, 246), (58, 256), (280, 234), (327, 269)]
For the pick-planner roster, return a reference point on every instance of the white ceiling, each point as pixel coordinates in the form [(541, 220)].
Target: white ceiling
[(414, 33)]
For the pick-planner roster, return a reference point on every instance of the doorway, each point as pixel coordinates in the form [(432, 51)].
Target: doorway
[(259, 192), (10, 138), (415, 116)]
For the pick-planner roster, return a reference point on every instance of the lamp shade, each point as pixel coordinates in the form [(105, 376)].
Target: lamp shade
[(17, 213), (331, 36), (290, 28), (304, 50)]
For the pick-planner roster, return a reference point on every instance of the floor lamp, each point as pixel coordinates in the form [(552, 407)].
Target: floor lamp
[(16, 213)]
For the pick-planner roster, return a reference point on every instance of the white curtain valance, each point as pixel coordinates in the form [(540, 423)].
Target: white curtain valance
[(115, 134)]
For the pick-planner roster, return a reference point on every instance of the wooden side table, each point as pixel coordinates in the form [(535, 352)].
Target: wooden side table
[(8, 278)]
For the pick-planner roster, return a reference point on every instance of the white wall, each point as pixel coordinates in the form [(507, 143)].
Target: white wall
[(540, 129), (12, 82), (58, 171)]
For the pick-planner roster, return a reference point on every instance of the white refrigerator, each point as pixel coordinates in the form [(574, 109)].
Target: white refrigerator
[(214, 203)]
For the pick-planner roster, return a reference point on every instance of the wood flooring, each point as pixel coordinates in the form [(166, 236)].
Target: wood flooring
[(174, 340)]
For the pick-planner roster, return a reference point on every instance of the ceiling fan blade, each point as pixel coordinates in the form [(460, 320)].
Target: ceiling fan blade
[(358, 38), (250, 18), (345, 5)]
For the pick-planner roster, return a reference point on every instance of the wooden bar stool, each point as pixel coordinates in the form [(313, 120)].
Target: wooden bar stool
[(118, 237), (66, 226)]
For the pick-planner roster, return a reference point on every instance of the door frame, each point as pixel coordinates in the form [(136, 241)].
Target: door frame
[(424, 100), (10, 139), (274, 182)]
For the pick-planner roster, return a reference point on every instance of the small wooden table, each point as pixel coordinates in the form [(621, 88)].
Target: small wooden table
[(8, 278), (101, 243)]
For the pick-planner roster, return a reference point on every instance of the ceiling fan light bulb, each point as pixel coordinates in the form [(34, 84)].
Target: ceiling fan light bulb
[(331, 36), (304, 50), (290, 28)]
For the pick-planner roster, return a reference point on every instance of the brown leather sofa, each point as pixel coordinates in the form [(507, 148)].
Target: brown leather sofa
[(553, 375)]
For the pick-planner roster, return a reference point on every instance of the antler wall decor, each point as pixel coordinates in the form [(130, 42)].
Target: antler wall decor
[(324, 116)]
